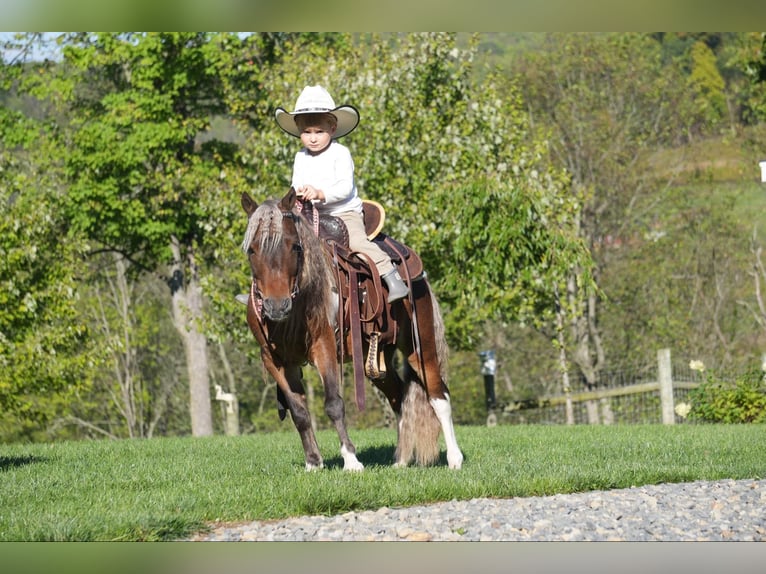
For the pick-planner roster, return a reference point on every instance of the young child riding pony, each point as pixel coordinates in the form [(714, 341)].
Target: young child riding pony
[(323, 173)]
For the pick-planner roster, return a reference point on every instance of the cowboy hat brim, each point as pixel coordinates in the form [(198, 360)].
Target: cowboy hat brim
[(347, 116)]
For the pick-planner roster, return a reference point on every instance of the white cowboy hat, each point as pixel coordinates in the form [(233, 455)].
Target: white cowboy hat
[(317, 100)]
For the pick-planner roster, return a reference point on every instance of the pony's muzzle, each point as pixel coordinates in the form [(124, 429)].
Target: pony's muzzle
[(277, 309)]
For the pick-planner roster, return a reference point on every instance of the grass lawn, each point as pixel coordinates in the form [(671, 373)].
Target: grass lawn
[(165, 489)]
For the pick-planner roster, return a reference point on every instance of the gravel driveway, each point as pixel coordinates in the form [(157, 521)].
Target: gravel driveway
[(727, 510)]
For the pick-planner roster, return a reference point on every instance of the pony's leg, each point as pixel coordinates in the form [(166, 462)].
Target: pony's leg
[(428, 368), (289, 381), (323, 355), (350, 462), (443, 410), (392, 388), (438, 396)]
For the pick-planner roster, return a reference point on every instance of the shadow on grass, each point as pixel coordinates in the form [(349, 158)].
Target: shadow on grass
[(379, 456), (369, 457), (9, 462)]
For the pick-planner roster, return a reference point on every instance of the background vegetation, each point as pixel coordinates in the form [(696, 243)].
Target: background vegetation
[(579, 200)]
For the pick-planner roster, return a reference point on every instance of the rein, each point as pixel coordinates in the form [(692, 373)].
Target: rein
[(314, 214)]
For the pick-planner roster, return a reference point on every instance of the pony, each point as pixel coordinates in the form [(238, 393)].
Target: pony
[(293, 313)]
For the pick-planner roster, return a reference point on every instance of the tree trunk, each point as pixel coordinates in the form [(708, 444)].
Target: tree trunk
[(589, 353), (187, 318), (122, 295), (232, 412), (563, 364)]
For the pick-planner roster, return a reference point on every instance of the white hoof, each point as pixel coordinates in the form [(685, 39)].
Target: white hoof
[(455, 460), (353, 466), (350, 462)]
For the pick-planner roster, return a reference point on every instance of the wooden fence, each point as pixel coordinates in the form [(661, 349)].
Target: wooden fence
[(647, 396)]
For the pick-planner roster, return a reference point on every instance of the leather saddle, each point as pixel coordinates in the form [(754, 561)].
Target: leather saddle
[(364, 315), (333, 229)]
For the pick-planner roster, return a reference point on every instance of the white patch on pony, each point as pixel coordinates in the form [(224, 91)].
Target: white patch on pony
[(332, 314), (443, 410), (350, 462), (399, 420), (312, 467)]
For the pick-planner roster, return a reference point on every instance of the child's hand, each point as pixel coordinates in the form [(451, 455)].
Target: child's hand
[(310, 193)]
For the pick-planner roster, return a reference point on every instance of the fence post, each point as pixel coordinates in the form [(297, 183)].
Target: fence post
[(232, 410), (488, 368), (665, 379)]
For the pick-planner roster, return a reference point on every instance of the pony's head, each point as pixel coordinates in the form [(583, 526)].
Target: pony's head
[(274, 249)]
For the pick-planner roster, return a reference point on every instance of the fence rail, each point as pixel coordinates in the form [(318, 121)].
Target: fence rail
[(621, 399), (598, 394)]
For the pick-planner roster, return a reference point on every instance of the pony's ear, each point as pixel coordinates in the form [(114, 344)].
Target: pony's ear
[(288, 201), (248, 203)]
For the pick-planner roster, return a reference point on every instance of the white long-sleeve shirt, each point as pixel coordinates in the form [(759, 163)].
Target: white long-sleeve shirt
[(332, 171)]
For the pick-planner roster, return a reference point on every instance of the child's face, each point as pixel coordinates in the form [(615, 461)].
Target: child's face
[(316, 135)]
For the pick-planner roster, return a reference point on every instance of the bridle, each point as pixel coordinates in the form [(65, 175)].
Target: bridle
[(298, 249), (255, 294)]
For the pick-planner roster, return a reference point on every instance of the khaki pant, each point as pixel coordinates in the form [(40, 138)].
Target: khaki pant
[(357, 241)]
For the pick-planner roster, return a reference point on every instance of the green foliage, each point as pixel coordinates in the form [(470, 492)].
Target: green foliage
[(603, 122), (134, 170), (140, 102), (707, 88), (503, 254), (668, 276), (136, 392), (44, 349), (740, 401), (466, 386), (751, 59)]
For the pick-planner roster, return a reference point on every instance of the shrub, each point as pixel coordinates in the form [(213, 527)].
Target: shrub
[(740, 401)]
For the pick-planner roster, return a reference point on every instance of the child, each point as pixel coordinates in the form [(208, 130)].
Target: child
[(323, 172)]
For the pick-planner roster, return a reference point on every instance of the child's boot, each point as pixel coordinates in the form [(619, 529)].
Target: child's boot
[(397, 289)]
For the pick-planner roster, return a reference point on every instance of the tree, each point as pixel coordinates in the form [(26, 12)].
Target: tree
[(707, 89), (132, 395), (470, 183), (751, 60), (44, 349), (677, 286), (583, 86), (136, 104)]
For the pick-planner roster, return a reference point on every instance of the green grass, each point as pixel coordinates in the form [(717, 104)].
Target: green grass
[(165, 489)]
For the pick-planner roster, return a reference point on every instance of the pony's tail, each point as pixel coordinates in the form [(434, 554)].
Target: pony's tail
[(419, 428), (440, 337)]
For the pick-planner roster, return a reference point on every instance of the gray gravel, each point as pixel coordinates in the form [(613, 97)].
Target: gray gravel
[(728, 510)]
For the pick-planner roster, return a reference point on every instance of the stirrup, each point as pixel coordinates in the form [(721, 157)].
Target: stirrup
[(372, 364)]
